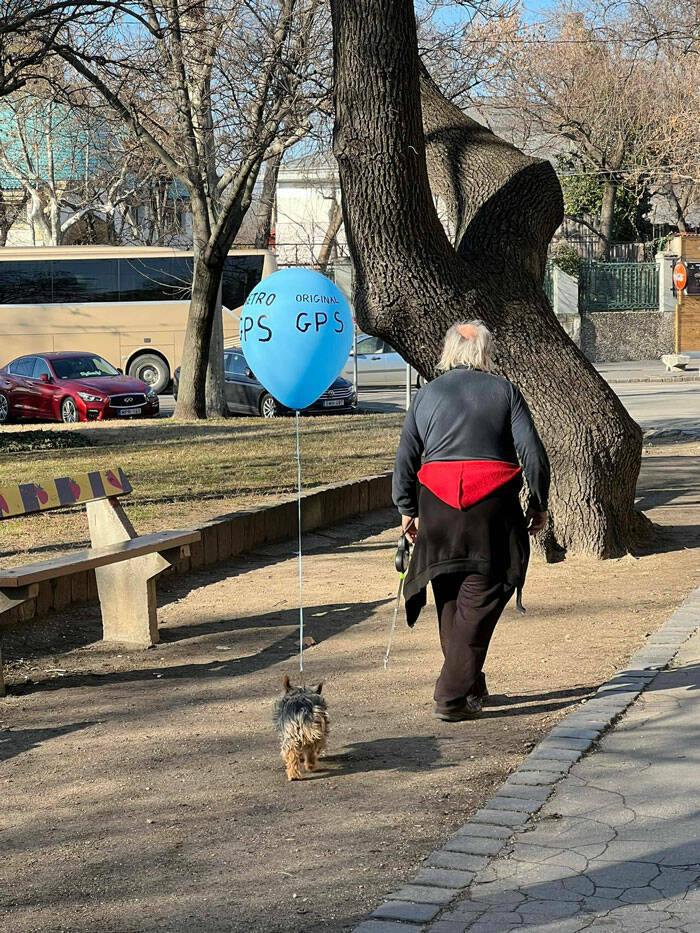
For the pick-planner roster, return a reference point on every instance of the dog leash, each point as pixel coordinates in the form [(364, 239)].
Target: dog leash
[(401, 562)]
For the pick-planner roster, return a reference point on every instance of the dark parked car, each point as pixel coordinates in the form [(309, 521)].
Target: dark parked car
[(71, 387), (246, 396)]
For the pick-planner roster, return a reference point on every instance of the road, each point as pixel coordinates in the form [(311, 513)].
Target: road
[(653, 405)]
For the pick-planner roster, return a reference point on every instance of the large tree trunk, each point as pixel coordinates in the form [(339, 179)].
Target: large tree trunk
[(192, 395), (267, 201), (330, 238), (411, 283), (607, 218)]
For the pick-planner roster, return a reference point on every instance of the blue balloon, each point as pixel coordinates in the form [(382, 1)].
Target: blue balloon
[(296, 334)]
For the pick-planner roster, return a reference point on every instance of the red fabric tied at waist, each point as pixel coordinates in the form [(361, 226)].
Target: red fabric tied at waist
[(461, 483)]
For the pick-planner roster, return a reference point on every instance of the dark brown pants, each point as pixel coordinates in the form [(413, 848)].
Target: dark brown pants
[(468, 609)]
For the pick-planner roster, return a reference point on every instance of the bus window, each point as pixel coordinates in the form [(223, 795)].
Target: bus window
[(166, 279), (25, 283), (85, 280), (241, 275)]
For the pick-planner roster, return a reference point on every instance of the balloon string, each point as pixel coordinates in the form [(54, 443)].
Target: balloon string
[(301, 603)]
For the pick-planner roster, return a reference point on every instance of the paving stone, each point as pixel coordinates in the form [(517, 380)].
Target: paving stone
[(588, 720), (447, 926), (443, 877), (610, 707), (618, 692), (534, 777), (459, 860), (554, 752), (524, 791), (405, 910), (384, 926), (463, 910), (556, 742), (514, 803), (425, 894), (487, 926), (486, 829), (540, 911), (626, 874), (474, 845), (546, 764), (500, 817), (572, 732)]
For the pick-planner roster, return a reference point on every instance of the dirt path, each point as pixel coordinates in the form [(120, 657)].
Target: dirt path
[(144, 791)]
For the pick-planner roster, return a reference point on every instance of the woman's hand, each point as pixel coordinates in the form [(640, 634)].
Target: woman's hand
[(409, 526), (536, 521)]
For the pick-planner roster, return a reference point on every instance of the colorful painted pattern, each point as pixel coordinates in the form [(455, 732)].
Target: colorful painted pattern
[(67, 490)]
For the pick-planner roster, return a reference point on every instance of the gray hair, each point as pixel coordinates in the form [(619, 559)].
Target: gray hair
[(467, 343)]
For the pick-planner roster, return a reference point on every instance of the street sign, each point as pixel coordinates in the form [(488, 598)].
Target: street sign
[(680, 276)]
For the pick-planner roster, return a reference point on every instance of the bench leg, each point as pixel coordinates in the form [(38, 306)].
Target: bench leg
[(127, 590), (128, 600), (11, 597)]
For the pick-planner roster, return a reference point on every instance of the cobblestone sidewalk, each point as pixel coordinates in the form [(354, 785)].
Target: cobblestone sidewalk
[(608, 843)]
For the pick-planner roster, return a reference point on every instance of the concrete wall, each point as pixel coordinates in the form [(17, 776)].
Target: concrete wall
[(613, 336), (228, 536)]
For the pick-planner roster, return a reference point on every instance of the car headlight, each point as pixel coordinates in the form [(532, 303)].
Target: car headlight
[(86, 397), (152, 396)]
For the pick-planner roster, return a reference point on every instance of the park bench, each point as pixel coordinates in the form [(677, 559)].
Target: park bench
[(125, 564), (677, 361)]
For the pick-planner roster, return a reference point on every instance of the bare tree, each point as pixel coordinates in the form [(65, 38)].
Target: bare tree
[(572, 87), (28, 29), (206, 87), (70, 163), (13, 204), (267, 201), (411, 283)]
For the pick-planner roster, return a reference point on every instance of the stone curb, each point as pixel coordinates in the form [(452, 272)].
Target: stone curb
[(520, 797), (229, 536)]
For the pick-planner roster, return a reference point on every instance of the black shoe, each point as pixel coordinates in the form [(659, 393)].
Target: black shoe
[(470, 709)]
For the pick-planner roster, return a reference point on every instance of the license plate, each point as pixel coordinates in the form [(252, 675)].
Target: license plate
[(333, 403), (129, 411)]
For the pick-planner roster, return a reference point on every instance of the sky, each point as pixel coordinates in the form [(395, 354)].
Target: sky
[(533, 10)]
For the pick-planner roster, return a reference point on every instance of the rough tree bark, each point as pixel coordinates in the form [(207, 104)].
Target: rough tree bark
[(607, 217), (411, 283), (330, 238), (267, 201)]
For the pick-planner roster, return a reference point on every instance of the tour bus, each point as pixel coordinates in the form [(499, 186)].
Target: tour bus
[(128, 304)]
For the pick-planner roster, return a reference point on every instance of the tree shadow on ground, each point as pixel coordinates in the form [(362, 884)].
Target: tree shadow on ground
[(671, 484), (14, 742), (503, 704), (332, 619)]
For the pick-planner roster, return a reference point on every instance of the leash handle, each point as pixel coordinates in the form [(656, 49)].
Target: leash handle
[(401, 562)]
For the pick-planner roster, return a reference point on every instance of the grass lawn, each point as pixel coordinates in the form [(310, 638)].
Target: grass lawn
[(184, 473)]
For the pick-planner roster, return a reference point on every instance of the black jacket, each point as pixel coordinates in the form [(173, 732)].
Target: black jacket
[(467, 414)]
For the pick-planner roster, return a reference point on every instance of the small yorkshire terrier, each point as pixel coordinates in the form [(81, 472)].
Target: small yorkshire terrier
[(301, 718)]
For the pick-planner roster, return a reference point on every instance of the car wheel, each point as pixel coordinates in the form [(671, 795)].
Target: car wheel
[(152, 370), (69, 411), (4, 408), (269, 407)]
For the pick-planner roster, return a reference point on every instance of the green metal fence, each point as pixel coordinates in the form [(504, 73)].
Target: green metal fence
[(548, 284), (618, 286)]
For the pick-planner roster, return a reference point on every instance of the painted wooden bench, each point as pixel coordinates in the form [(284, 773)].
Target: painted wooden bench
[(125, 564)]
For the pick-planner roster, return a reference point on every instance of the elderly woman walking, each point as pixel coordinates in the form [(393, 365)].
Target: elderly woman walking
[(466, 441)]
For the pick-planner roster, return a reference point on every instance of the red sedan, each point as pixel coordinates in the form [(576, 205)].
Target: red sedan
[(71, 387)]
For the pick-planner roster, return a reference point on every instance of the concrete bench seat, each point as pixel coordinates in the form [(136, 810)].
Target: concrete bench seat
[(95, 557), (675, 361), (125, 564)]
